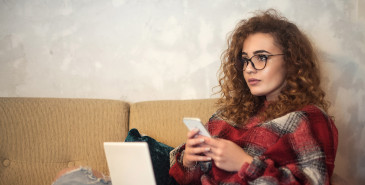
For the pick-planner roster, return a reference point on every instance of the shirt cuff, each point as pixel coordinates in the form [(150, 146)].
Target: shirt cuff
[(187, 169), (254, 170)]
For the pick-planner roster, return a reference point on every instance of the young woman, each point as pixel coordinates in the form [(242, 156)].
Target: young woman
[(272, 126)]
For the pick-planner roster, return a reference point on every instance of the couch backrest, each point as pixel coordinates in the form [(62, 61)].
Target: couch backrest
[(41, 136), (162, 120)]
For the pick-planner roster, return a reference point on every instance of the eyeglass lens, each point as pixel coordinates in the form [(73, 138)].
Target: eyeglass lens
[(257, 62)]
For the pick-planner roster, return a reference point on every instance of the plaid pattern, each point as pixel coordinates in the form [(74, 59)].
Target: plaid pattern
[(298, 148)]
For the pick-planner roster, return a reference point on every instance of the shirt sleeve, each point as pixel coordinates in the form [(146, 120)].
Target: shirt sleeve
[(181, 174), (305, 157)]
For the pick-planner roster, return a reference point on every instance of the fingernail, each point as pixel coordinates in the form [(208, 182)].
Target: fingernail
[(202, 140), (208, 158), (207, 149)]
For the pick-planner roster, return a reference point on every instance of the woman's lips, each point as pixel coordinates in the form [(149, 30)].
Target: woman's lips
[(253, 81)]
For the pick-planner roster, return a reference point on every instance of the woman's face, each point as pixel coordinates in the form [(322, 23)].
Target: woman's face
[(270, 80)]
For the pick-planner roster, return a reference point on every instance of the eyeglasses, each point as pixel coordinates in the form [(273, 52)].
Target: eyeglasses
[(258, 61)]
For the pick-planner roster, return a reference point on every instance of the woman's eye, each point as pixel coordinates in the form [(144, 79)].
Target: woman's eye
[(244, 59), (262, 58)]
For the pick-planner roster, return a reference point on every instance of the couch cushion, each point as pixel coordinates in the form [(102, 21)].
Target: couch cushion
[(41, 136), (162, 120)]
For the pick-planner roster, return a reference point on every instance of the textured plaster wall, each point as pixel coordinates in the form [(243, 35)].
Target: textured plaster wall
[(138, 50)]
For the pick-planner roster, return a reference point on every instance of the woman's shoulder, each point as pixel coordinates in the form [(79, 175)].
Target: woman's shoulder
[(289, 122), (306, 112), (313, 111)]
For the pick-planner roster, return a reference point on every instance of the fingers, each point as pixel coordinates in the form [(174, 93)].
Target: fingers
[(226, 154), (194, 154), (195, 149), (215, 154), (214, 142), (198, 150), (196, 146), (194, 142), (193, 133), (197, 154), (217, 148)]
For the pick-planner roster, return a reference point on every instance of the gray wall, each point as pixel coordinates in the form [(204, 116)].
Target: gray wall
[(160, 49)]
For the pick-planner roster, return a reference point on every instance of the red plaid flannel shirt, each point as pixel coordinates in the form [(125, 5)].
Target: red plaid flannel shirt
[(298, 148)]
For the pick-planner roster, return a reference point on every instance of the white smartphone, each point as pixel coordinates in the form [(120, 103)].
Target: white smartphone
[(193, 123)]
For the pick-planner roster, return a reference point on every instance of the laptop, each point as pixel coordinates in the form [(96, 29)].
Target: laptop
[(129, 163)]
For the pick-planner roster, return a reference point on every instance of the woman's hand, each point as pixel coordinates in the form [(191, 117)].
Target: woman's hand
[(194, 149), (226, 154)]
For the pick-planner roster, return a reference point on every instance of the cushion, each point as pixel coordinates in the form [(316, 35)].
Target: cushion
[(160, 156)]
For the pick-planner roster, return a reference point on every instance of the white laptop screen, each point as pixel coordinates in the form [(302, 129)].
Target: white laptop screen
[(129, 163)]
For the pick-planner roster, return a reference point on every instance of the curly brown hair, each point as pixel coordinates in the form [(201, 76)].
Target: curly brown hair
[(237, 104)]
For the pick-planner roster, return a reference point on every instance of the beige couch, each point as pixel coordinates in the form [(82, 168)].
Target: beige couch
[(41, 136)]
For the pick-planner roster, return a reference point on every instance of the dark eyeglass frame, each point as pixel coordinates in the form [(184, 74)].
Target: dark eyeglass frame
[(241, 61)]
